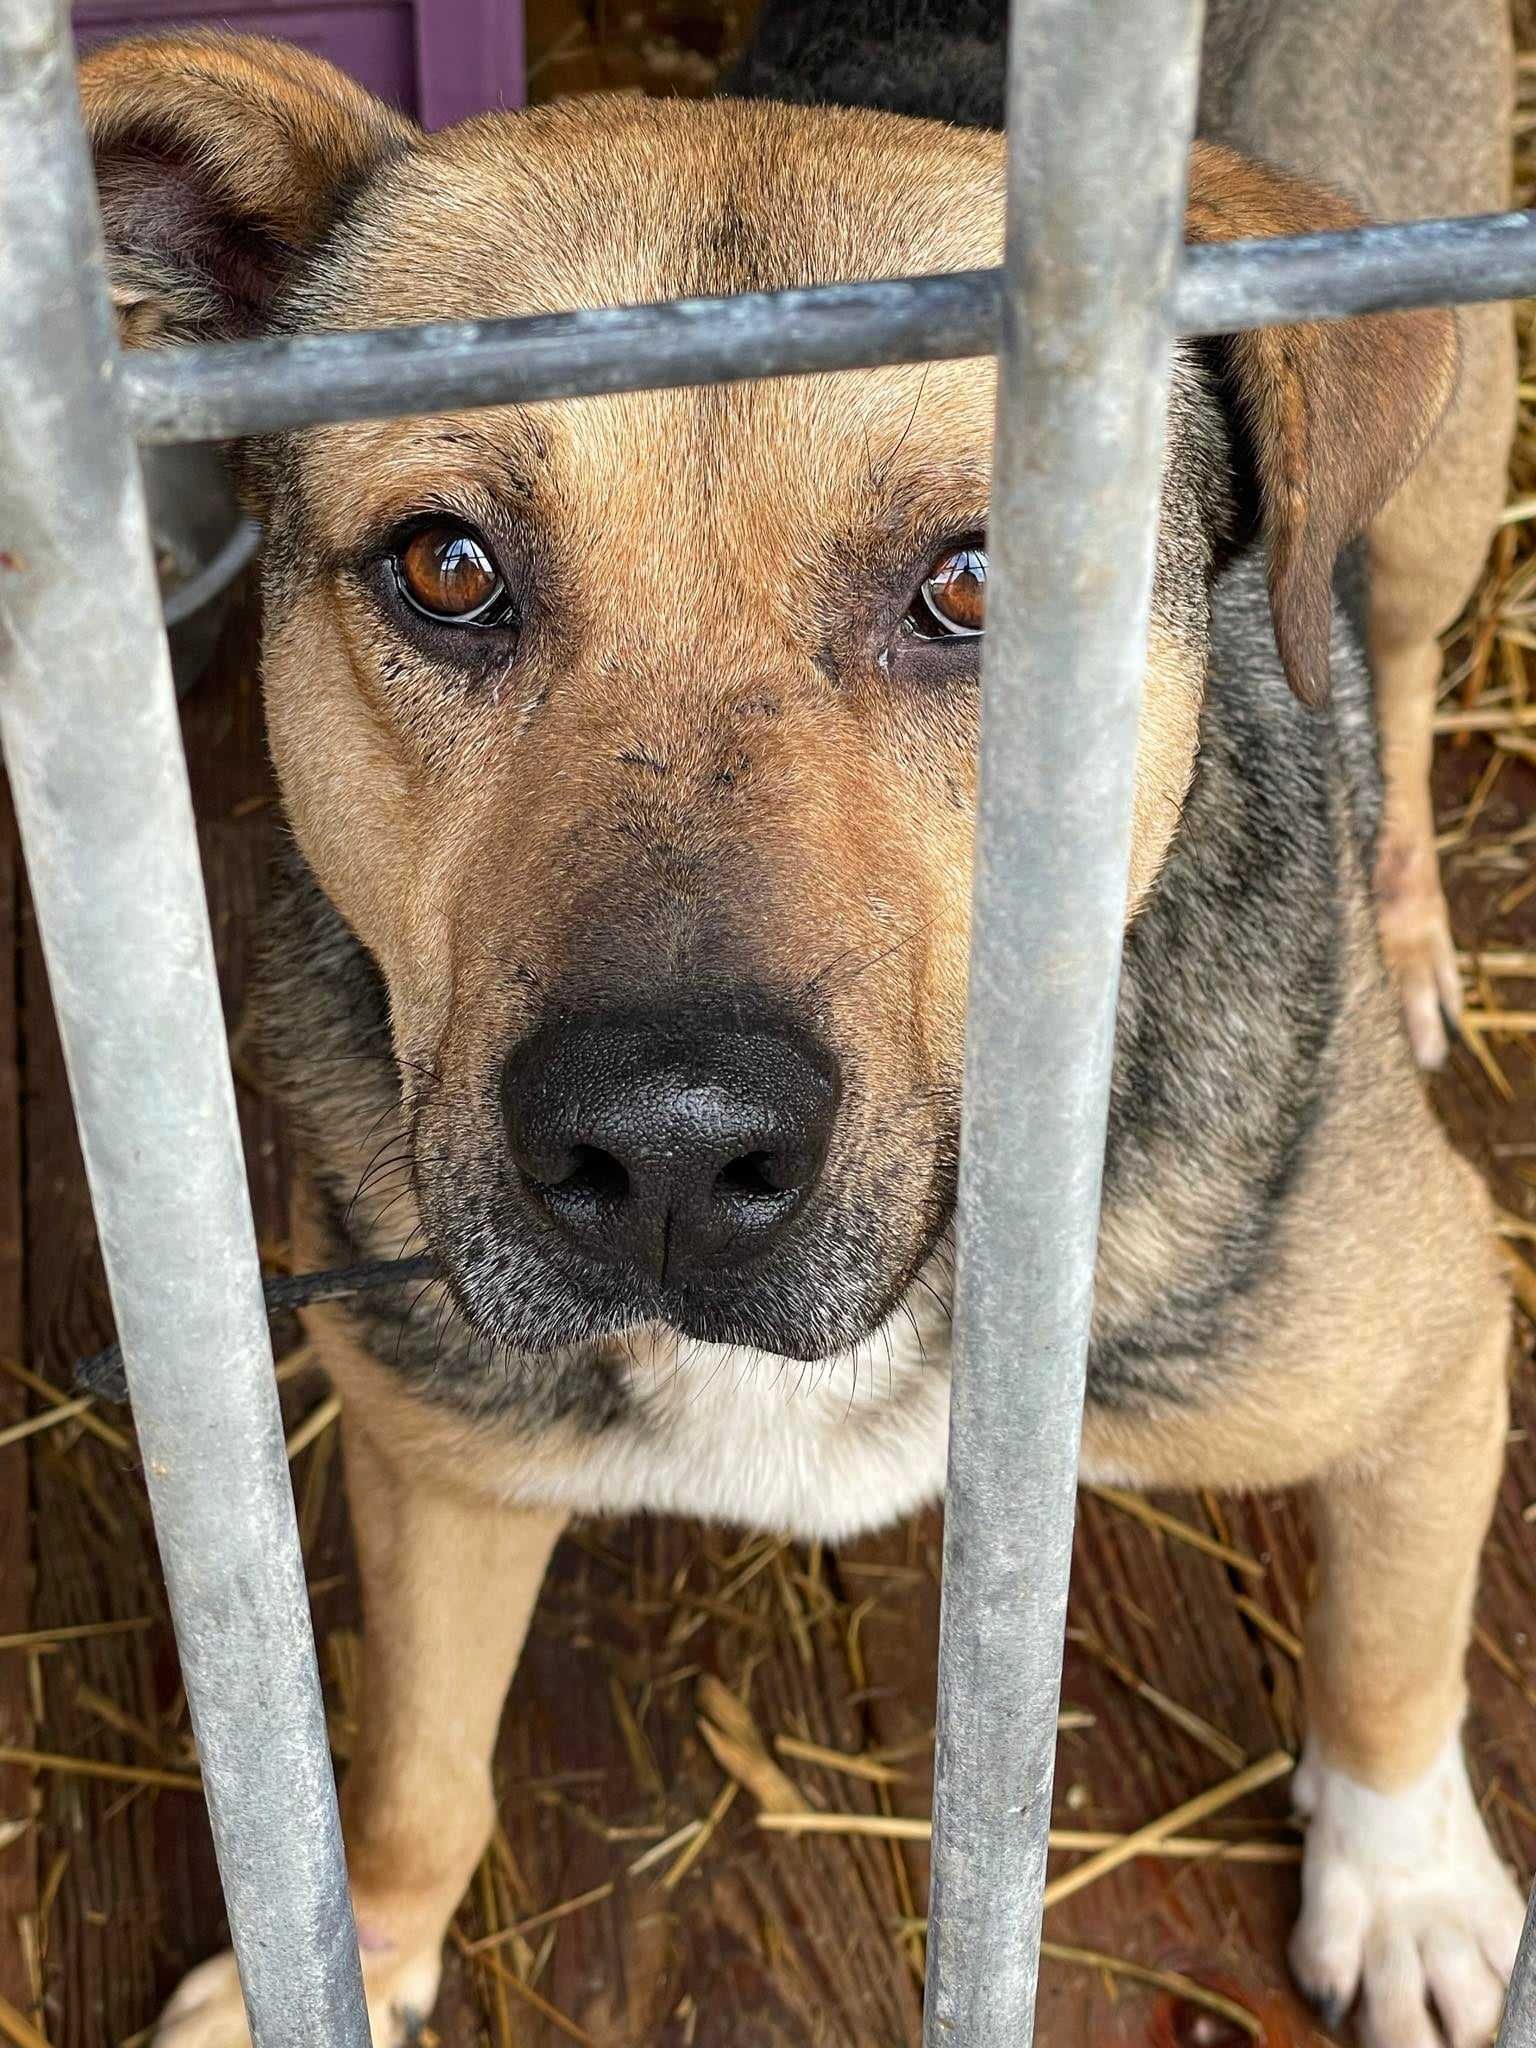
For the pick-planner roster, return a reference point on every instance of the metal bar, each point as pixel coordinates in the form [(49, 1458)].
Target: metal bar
[(89, 729), (1097, 160), (231, 388), (1224, 287), (248, 387), (1518, 2027)]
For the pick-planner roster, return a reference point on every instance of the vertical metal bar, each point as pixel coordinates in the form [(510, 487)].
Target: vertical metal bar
[(1101, 103), (1518, 2028), (89, 729)]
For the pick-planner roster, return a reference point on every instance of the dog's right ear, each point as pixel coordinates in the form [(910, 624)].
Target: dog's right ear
[(220, 160)]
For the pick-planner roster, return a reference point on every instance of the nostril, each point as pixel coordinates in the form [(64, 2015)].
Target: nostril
[(592, 1176), (757, 1176), (598, 1174)]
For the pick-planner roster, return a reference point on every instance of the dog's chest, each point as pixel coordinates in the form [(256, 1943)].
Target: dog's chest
[(820, 1450)]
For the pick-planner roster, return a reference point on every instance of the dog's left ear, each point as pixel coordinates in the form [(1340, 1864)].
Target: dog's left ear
[(1334, 414)]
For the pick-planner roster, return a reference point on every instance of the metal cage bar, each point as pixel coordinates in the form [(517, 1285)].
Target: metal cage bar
[(91, 739), (231, 388), (1097, 161), (1087, 303)]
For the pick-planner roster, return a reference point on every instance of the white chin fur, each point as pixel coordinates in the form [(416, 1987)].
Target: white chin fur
[(1405, 1904), (825, 1450)]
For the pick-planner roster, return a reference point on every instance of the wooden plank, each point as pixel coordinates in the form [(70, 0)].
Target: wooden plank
[(767, 1940), (1165, 1613)]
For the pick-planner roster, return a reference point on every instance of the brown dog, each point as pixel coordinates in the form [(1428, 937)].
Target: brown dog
[(629, 750)]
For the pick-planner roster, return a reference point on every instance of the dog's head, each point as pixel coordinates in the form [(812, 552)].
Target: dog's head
[(636, 737)]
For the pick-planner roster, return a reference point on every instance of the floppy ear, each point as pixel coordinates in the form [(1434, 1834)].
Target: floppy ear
[(1335, 413), (220, 159)]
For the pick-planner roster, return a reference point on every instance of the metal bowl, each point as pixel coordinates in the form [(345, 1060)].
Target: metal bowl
[(202, 542)]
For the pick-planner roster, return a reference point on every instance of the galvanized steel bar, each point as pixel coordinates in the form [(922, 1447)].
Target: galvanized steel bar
[(1225, 287), (90, 735), (213, 393), (1101, 105), (1518, 2029), (205, 394)]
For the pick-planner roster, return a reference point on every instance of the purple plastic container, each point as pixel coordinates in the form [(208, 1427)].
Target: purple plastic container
[(437, 59)]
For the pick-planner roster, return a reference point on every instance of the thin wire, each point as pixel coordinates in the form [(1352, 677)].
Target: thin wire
[(103, 1375)]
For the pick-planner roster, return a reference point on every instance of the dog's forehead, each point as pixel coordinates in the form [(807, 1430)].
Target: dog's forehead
[(618, 200), (759, 473), (628, 201)]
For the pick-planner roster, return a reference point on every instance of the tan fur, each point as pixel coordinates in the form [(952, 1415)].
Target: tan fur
[(280, 128), (1382, 1386), (1429, 543), (272, 129), (449, 1585), (1348, 1334), (1399, 1530)]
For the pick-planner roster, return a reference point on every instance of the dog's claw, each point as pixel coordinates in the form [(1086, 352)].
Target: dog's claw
[(1330, 2007), (1432, 1022), (1330, 2004)]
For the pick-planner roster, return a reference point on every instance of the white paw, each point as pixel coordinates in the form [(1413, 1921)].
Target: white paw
[(208, 2011), (1404, 1902)]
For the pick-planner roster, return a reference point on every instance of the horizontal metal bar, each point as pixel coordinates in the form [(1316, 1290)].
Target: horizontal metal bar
[(222, 391), (216, 392), (1228, 286), (1096, 179), (93, 746)]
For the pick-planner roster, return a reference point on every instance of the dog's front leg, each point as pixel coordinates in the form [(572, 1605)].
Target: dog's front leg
[(1403, 1897), (449, 1584)]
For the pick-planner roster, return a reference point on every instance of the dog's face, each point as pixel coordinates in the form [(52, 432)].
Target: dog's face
[(636, 737)]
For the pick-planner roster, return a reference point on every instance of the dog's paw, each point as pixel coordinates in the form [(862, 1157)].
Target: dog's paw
[(1416, 941), (208, 2011), (1405, 1904)]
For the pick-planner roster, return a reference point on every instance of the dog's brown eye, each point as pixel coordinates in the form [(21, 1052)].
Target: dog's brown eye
[(446, 573), (951, 600)]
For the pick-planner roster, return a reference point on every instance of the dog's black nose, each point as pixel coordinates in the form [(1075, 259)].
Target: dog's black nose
[(665, 1144)]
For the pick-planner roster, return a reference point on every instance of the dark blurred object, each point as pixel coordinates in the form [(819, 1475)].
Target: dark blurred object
[(438, 59), (656, 47)]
